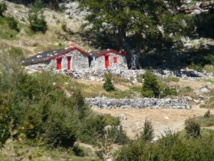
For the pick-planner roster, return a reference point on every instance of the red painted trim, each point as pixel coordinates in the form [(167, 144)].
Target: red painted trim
[(111, 51), (67, 51)]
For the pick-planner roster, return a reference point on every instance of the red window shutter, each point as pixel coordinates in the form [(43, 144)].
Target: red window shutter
[(115, 59)]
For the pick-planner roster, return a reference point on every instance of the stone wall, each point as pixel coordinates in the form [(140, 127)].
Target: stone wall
[(110, 103)]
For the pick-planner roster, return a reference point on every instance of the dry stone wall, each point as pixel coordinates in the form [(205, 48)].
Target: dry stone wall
[(110, 103)]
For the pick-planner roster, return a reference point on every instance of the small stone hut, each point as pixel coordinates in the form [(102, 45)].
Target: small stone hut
[(72, 58), (109, 59)]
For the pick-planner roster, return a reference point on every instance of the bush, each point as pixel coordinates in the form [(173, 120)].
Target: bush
[(13, 23), (207, 114), (37, 19), (168, 91), (148, 131), (3, 7), (150, 86), (108, 86), (192, 128)]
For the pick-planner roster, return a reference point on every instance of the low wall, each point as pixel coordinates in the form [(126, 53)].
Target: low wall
[(110, 103)]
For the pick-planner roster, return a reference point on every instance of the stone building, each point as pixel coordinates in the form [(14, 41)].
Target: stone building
[(76, 59), (72, 58), (109, 59)]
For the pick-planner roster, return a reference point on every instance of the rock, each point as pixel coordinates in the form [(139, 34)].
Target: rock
[(204, 90), (109, 103), (107, 128), (122, 117), (189, 98), (196, 101)]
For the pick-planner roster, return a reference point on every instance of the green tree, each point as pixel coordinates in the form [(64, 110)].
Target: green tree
[(37, 18), (108, 86), (148, 131), (150, 86), (138, 25), (3, 7)]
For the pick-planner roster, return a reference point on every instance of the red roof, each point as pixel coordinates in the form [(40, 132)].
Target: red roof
[(67, 51), (102, 53)]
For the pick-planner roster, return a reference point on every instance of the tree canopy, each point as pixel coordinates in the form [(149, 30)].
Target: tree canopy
[(138, 26)]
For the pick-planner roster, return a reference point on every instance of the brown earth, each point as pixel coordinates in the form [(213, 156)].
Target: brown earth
[(162, 119)]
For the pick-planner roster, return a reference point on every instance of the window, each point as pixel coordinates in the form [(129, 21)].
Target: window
[(115, 59)]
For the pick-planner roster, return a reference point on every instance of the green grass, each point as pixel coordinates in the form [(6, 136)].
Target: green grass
[(96, 90), (209, 80), (209, 103), (204, 133), (41, 153), (205, 122), (172, 79), (6, 32)]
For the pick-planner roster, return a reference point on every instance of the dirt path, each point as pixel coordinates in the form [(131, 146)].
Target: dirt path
[(162, 119)]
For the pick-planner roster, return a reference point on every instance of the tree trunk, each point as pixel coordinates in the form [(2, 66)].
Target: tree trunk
[(133, 56)]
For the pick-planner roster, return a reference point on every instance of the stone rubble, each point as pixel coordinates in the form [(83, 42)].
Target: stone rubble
[(98, 74), (111, 103)]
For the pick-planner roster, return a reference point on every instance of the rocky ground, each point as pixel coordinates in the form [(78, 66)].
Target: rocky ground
[(132, 120)]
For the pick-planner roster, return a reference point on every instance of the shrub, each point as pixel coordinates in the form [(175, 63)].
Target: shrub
[(192, 128), (37, 19), (197, 67), (13, 23), (3, 7), (207, 114), (78, 151), (168, 91), (210, 59), (148, 131), (108, 86), (150, 86), (118, 135)]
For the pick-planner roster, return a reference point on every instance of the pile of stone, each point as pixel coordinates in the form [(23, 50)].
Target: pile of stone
[(98, 74), (133, 75), (196, 8), (111, 103)]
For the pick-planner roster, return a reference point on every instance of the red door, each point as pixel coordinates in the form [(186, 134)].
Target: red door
[(59, 63), (69, 63), (106, 61)]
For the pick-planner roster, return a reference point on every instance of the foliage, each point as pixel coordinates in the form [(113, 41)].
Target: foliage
[(148, 131), (197, 67), (118, 135), (32, 107), (3, 7), (170, 147), (192, 128), (168, 91), (209, 103), (13, 23), (150, 86), (207, 114), (78, 151), (128, 23), (37, 19), (108, 86), (93, 125)]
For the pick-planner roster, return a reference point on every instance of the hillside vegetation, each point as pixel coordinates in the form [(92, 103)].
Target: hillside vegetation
[(43, 116)]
